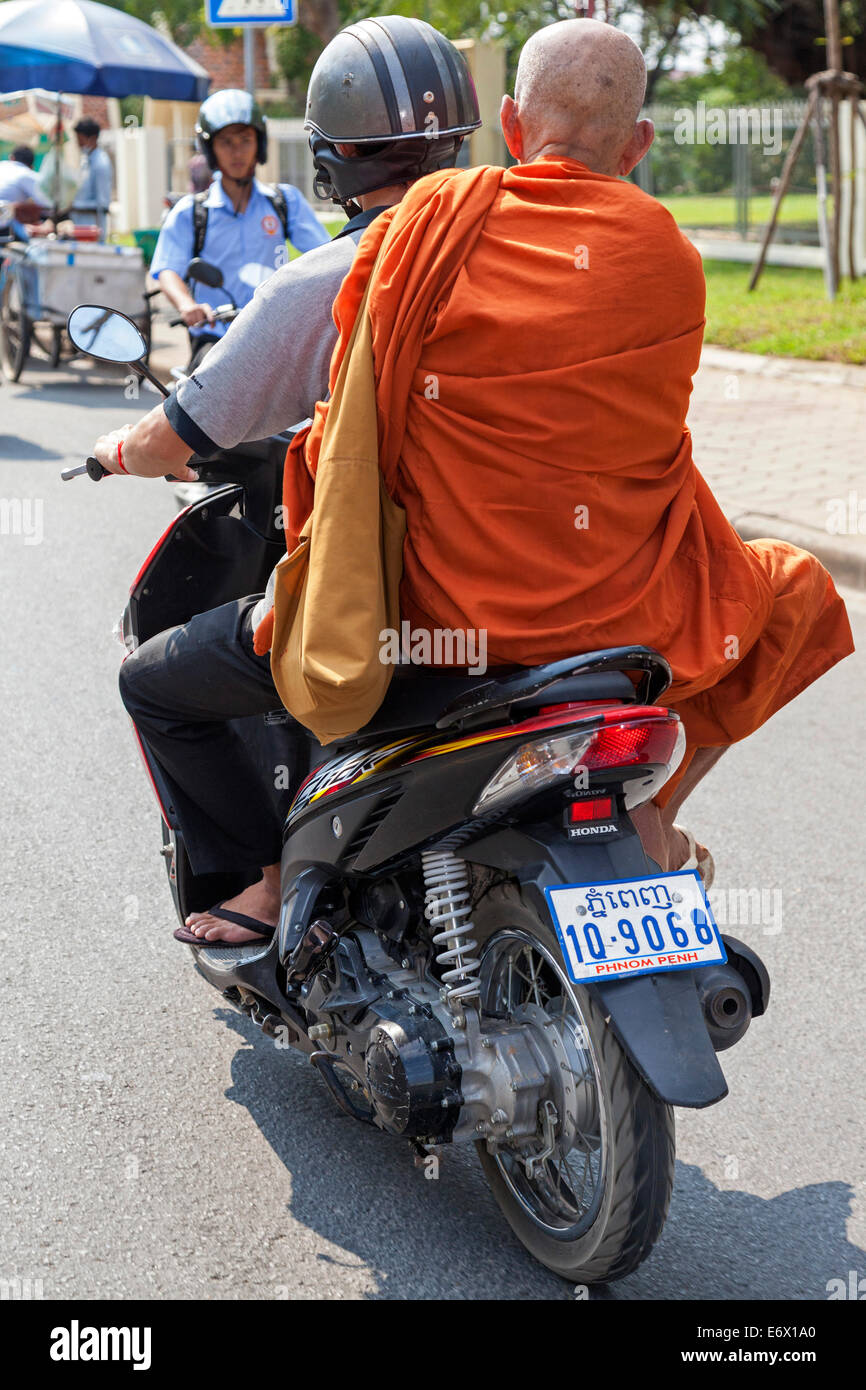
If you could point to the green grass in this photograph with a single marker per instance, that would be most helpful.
(720, 210)
(332, 226)
(788, 315)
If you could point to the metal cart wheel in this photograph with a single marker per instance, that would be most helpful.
(15, 330)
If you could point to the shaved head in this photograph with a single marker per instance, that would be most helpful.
(579, 90)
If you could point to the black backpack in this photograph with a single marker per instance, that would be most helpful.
(274, 195)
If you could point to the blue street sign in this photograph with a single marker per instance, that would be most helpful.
(232, 14)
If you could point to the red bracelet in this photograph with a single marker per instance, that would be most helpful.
(120, 462)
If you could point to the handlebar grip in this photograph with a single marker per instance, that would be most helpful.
(95, 470)
(175, 323)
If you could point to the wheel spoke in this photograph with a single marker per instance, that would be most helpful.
(532, 982)
(519, 973)
(565, 1188)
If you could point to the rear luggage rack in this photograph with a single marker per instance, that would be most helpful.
(656, 676)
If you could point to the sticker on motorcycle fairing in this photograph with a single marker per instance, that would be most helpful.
(346, 771)
(635, 926)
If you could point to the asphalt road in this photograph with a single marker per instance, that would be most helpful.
(156, 1145)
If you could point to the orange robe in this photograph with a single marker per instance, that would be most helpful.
(535, 334)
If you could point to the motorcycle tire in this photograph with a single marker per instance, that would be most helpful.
(638, 1155)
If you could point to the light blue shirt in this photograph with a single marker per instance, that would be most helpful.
(94, 191)
(248, 246)
(19, 184)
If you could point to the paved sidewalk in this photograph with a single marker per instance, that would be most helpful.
(782, 443)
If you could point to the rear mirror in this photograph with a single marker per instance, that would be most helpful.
(205, 273)
(106, 334)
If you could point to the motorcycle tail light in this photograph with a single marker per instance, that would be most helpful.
(531, 768)
(632, 744)
(657, 742)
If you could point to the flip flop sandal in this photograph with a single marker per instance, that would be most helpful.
(240, 919)
(705, 864)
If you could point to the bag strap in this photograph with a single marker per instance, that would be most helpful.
(360, 316)
(199, 223)
(277, 198)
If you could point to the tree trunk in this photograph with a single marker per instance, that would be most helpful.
(654, 73)
(321, 17)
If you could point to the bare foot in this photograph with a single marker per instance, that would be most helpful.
(678, 849)
(261, 900)
(664, 843)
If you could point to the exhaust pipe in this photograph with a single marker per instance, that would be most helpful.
(726, 1002)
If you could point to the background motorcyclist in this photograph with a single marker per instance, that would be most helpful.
(239, 224)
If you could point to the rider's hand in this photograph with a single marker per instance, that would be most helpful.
(138, 461)
(196, 314)
(105, 449)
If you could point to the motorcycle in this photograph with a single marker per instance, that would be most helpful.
(473, 946)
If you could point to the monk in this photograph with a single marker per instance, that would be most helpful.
(535, 334)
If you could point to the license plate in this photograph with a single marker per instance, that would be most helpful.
(635, 926)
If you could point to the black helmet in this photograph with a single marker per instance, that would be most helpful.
(397, 89)
(231, 107)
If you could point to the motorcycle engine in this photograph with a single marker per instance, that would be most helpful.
(413, 1080)
(385, 1033)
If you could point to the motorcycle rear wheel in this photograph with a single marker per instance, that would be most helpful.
(626, 1147)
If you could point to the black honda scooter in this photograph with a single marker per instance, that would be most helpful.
(473, 945)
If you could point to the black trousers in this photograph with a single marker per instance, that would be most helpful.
(181, 689)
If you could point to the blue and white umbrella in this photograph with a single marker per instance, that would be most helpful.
(79, 46)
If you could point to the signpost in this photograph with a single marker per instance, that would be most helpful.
(233, 14)
(249, 15)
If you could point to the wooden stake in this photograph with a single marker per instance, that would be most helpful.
(852, 192)
(834, 63)
(788, 169)
(836, 176)
(830, 277)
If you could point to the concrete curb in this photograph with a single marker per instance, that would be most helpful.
(754, 364)
(846, 560)
(716, 248)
